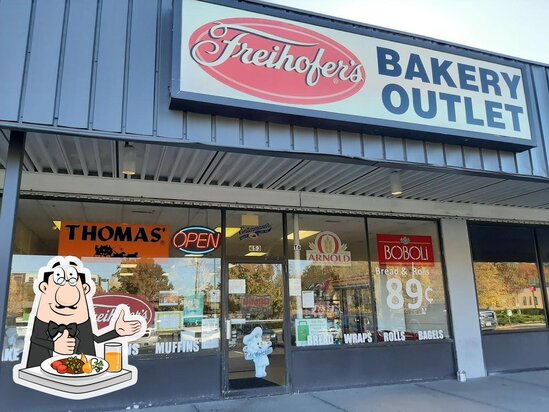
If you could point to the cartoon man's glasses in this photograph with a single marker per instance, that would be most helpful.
(62, 275)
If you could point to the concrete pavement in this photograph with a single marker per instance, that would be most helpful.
(517, 392)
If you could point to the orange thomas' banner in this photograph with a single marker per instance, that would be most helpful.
(87, 239)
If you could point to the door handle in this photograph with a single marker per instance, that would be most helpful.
(228, 329)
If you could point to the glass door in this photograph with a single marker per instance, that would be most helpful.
(255, 355)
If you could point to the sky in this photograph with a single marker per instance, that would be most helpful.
(517, 28)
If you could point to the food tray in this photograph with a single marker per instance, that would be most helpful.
(81, 388)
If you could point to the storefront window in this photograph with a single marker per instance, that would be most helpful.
(329, 281)
(508, 282)
(408, 279)
(252, 234)
(143, 256)
(543, 239)
(165, 263)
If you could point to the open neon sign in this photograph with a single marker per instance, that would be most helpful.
(196, 240)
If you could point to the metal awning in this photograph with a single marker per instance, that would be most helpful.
(69, 155)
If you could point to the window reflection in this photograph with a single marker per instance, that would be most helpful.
(330, 294)
(408, 279)
(509, 291)
(179, 295)
(254, 234)
(509, 295)
(542, 234)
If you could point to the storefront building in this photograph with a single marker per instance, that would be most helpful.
(376, 203)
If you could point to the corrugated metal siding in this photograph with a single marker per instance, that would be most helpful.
(105, 67)
(38, 102)
(14, 30)
(110, 75)
(77, 64)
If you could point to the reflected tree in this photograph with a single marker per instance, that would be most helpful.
(498, 283)
(146, 279)
(260, 281)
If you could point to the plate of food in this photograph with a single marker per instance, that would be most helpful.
(75, 366)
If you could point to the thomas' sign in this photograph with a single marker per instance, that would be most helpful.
(405, 250)
(236, 58)
(85, 239)
(196, 240)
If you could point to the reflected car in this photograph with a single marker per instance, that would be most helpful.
(21, 326)
(149, 339)
(488, 319)
(434, 318)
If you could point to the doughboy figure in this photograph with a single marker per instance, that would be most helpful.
(62, 320)
(257, 350)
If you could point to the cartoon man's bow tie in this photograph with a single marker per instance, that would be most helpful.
(54, 329)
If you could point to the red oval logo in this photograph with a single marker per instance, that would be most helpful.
(328, 242)
(105, 304)
(277, 61)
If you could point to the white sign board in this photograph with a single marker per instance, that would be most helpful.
(237, 286)
(255, 61)
(295, 286)
(308, 299)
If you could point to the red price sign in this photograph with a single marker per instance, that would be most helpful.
(405, 250)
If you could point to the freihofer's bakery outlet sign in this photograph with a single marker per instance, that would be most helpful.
(236, 58)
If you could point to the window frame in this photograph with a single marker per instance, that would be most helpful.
(539, 265)
(376, 342)
(285, 212)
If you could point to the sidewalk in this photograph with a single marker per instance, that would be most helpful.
(525, 391)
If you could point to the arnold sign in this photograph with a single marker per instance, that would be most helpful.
(405, 250)
(238, 62)
(327, 250)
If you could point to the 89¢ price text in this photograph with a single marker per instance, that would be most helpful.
(414, 290)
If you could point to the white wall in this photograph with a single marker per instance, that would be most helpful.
(463, 299)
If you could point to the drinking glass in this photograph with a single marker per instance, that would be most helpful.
(113, 355)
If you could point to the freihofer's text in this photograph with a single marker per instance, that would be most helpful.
(279, 57)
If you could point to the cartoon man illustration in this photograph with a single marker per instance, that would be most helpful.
(63, 322)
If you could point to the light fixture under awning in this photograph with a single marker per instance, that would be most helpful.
(128, 159)
(396, 185)
(229, 231)
(255, 254)
(303, 234)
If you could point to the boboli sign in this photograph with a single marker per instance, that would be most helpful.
(405, 250)
(237, 62)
